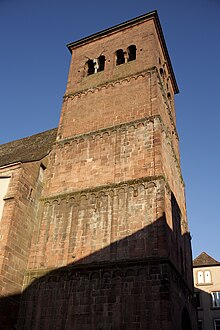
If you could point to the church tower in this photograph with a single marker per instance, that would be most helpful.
(111, 247)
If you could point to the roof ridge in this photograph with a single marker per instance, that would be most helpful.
(204, 259)
(29, 136)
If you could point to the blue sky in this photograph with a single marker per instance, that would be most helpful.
(34, 63)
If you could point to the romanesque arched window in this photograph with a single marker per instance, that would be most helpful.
(207, 276)
(200, 277)
(101, 63)
(131, 53)
(120, 57)
(90, 67)
(95, 65)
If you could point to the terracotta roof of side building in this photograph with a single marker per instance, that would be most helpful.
(205, 260)
(31, 148)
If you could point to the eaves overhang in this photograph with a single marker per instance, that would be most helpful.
(207, 265)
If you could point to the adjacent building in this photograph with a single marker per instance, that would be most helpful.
(22, 168)
(94, 232)
(206, 271)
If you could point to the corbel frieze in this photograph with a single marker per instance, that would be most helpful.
(147, 270)
(108, 131)
(112, 84)
(125, 127)
(110, 190)
(109, 84)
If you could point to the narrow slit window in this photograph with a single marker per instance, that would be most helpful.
(161, 72)
(169, 96)
(101, 63)
(120, 57)
(131, 53)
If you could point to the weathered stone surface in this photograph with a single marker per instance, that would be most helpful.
(97, 230)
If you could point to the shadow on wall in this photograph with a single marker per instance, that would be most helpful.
(130, 284)
(206, 313)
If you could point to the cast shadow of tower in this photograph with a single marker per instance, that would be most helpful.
(133, 293)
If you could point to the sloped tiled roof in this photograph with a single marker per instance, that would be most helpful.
(28, 149)
(205, 260)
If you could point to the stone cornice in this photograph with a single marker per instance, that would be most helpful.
(160, 268)
(147, 182)
(110, 129)
(113, 82)
(94, 266)
(123, 126)
(115, 29)
(110, 83)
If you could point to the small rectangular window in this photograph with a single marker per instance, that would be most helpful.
(215, 299)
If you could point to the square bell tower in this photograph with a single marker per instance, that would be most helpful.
(112, 243)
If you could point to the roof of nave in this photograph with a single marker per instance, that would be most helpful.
(31, 148)
(205, 260)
